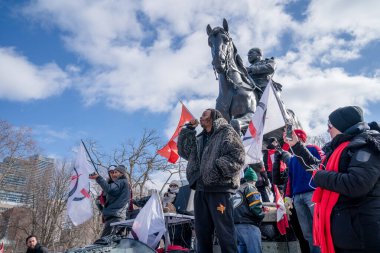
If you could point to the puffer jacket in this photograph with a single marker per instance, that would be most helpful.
(117, 197)
(355, 219)
(221, 160)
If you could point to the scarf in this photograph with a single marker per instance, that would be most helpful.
(325, 201)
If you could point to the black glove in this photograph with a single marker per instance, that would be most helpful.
(278, 155)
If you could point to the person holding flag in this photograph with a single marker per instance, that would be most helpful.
(117, 194)
(215, 158)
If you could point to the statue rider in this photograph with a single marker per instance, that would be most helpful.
(261, 71)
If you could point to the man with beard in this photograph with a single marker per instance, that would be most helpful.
(34, 246)
(215, 158)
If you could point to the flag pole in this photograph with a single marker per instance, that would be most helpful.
(284, 113)
(93, 164)
(185, 107)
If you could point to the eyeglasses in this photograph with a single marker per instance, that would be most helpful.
(173, 185)
(113, 171)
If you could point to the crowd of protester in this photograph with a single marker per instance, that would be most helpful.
(332, 192)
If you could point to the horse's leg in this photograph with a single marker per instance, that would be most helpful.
(243, 107)
(223, 108)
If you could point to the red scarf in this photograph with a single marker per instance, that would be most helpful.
(325, 201)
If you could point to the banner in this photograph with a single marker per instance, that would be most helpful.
(79, 207)
(170, 150)
(149, 225)
(270, 115)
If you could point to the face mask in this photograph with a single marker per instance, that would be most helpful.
(174, 189)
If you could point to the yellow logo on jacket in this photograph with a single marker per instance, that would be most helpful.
(221, 208)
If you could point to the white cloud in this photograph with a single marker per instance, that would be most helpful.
(149, 65)
(127, 75)
(21, 80)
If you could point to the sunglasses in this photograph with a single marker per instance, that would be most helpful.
(113, 171)
(173, 185)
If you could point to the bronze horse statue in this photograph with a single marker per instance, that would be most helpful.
(237, 98)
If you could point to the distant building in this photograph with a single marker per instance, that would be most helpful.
(18, 176)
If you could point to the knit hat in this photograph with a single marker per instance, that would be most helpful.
(176, 182)
(250, 174)
(345, 117)
(301, 134)
(121, 169)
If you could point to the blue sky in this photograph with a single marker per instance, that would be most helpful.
(105, 70)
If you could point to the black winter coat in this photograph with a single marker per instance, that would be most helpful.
(355, 219)
(37, 249)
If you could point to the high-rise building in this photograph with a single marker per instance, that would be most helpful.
(18, 177)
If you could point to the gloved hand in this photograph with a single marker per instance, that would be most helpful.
(278, 155)
(288, 202)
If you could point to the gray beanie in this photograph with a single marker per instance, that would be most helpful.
(120, 168)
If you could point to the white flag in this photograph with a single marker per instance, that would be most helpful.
(79, 206)
(149, 225)
(268, 116)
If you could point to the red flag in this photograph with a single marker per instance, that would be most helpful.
(170, 150)
(2, 248)
(282, 218)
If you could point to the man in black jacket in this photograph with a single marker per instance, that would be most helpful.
(34, 246)
(215, 158)
(348, 184)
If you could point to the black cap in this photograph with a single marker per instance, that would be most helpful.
(345, 117)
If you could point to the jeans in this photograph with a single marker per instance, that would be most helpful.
(248, 238)
(305, 211)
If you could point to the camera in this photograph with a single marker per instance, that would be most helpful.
(289, 132)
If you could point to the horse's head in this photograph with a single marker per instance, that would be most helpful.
(221, 46)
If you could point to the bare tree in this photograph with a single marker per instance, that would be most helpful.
(45, 215)
(15, 143)
(319, 140)
(139, 156)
